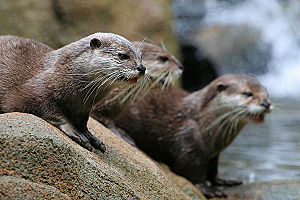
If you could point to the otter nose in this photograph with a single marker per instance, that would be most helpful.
(266, 104)
(141, 69)
(181, 67)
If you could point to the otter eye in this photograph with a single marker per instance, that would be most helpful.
(163, 58)
(123, 56)
(247, 94)
(222, 87)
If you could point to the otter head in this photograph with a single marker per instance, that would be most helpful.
(241, 97)
(108, 59)
(162, 67)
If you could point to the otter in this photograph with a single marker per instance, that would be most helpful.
(188, 131)
(162, 69)
(62, 85)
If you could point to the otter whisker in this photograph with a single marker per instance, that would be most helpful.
(95, 82)
(134, 91)
(110, 76)
(234, 121)
(142, 88)
(130, 92)
(83, 74)
(226, 119)
(98, 78)
(99, 87)
(217, 109)
(163, 45)
(232, 132)
(142, 42)
(225, 125)
(220, 118)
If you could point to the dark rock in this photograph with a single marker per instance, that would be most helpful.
(198, 71)
(235, 48)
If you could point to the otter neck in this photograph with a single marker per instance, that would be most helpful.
(218, 126)
(77, 93)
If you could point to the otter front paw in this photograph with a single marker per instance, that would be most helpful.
(84, 142)
(96, 143)
(221, 182)
(211, 192)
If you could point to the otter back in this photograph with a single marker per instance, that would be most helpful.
(20, 60)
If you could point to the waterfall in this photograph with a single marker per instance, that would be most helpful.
(279, 23)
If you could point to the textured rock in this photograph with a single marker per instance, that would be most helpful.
(271, 190)
(59, 22)
(183, 183)
(19, 188)
(36, 151)
(30, 18)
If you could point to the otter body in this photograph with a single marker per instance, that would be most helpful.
(188, 131)
(61, 85)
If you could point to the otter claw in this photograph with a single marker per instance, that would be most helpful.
(98, 144)
(211, 192)
(229, 183)
(86, 145)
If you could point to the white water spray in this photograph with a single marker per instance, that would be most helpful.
(279, 23)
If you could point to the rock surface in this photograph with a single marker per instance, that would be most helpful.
(19, 188)
(271, 190)
(183, 183)
(37, 154)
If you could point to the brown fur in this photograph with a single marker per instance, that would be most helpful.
(55, 84)
(173, 126)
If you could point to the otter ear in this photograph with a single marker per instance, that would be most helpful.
(222, 87)
(95, 43)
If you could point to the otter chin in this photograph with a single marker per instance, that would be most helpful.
(255, 119)
(188, 131)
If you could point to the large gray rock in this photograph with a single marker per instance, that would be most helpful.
(235, 48)
(19, 188)
(271, 190)
(35, 151)
(59, 22)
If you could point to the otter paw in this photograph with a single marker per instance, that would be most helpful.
(222, 182)
(211, 192)
(84, 142)
(98, 144)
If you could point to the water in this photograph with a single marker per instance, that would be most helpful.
(267, 151)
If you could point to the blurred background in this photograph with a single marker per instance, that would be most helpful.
(210, 37)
